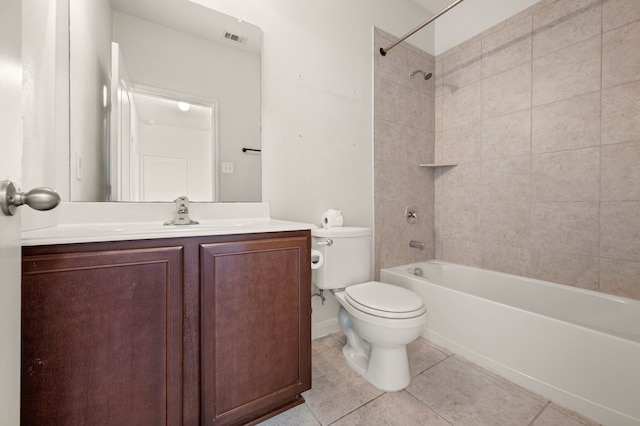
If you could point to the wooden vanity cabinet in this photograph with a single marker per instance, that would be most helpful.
(199, 330)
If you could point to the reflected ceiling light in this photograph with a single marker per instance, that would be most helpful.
(183, 106)
(105, 99)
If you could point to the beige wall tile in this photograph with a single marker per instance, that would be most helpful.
(566, 176)
(390, 141)
(507, 136)
(621, 172)
(390, 102)
(621, 113)
(619, 12)
(567, 124)
(569, 72)
(460, 184)
(437, 125)
(507, 92)
(620, 278)
(464, 252)
(507, 180)
(506, 224)
(464, 66)
(392, 249)
(461, 107)
(420, 146)
(507, 48)
(619, 231)
(461, 144)
(507, 259)
(420, 108)
(460, 221)
(437, 149)
(392, 67)
(566, 227)
(570, 269)
(438, 78)
(621, 55)
(390, 178)
(564, 23)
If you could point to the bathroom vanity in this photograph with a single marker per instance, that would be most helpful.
(186, 329)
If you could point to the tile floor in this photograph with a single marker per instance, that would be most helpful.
(445, 390)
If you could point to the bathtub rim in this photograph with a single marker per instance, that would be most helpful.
(563, 287)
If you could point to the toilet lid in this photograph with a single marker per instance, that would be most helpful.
(384, 300)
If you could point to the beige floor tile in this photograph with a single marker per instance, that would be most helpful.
(465, 395)
(297, 416)
(336, 389)
(450, 391)
(423, 356)
(330, 342)
(554, 415)
(396, 408)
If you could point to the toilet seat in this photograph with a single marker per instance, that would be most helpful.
(384, 300)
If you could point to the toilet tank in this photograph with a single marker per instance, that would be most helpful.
(346, 260)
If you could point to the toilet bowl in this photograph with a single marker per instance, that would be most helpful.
(386, 331)
(378, 319)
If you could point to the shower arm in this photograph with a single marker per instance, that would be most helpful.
(383, 51)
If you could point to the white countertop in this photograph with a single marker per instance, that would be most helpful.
(98, 222)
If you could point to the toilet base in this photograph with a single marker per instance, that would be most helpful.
(386, 368)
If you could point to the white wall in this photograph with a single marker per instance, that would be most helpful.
(90, 53)
(167, 59)
(317, 106)
(470, 18)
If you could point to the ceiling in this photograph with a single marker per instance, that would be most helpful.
(434, 6)
(194, 19)
(152, 109)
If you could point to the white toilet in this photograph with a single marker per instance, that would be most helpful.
(378, 319)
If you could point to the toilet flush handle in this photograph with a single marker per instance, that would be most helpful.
(328, 242)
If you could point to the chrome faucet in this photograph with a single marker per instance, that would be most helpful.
(182, 213)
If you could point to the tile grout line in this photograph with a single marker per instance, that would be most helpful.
(356, 409)
(540, 413)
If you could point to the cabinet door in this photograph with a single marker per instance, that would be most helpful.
(102, 337)
(256, 327)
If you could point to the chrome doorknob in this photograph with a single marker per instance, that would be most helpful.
(38, 198)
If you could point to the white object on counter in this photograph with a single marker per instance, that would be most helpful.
(332, 219)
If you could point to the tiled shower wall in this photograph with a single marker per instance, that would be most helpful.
(542, 115)
(403, 138)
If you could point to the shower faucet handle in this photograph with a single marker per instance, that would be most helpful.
(411, 214)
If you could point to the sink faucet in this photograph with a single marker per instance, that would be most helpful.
(182, 213)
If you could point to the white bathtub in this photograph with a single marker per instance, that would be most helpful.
(577, 347)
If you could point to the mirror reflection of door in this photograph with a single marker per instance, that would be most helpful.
(160, 134)
(164, 177)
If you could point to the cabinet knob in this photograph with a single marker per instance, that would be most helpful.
(38, 198)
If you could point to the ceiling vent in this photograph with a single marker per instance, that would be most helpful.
(235, 37)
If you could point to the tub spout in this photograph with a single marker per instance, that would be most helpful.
(416, 244)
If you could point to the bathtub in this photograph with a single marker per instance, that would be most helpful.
(579, 348)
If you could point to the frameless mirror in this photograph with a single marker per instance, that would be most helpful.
(164, 101)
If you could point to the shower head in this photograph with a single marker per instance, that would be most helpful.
(427, 75)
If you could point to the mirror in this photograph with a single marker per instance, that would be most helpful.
(164, 101)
